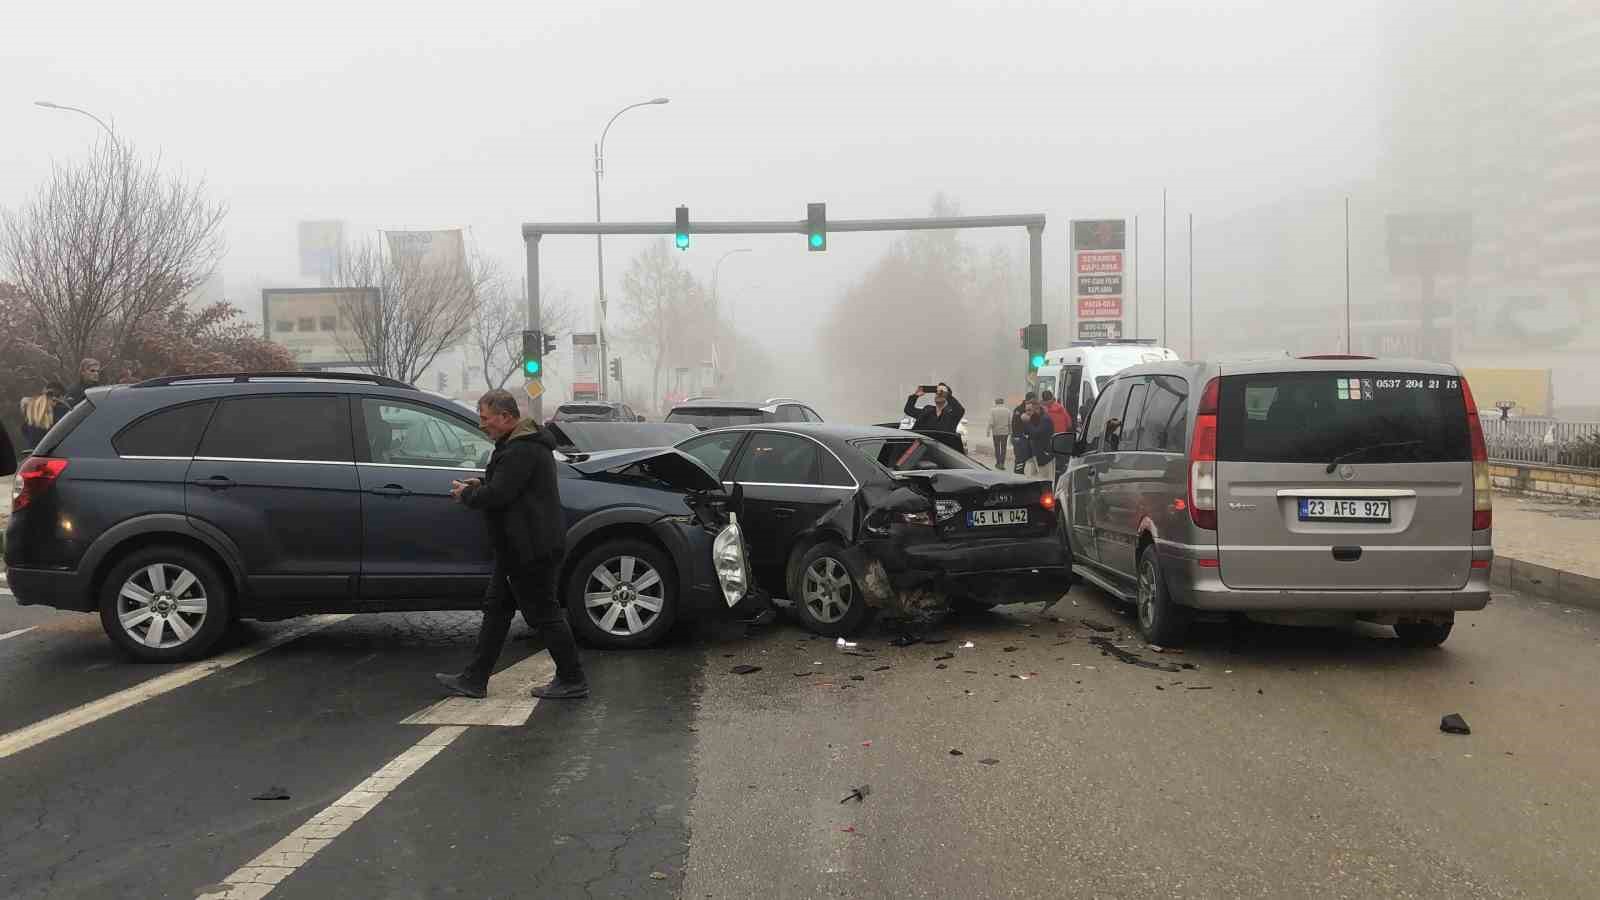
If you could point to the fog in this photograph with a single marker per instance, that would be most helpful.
(1259, 119)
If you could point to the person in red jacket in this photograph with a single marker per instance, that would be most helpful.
(1060, 423)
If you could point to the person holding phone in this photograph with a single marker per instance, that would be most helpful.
(944, 414)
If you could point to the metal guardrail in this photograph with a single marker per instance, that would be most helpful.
(1543, 441)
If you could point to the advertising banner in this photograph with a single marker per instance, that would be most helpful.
(1100, 330)
(1099, 285)
(319, 248)
(1105, 261)
(586, 363)
(441, 249)
(315, 324)
(1100, 307)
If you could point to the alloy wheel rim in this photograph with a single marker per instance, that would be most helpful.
(624, 596)
(162, 606)
(1147, 594)
(827, 590)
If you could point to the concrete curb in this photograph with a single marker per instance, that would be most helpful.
(1535, 580)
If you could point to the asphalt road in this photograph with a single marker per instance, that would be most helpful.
(1284, 763)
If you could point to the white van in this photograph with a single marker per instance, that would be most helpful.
(1076, 374)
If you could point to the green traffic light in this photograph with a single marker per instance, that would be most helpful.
(1038, 361)
(531, 366)
(816, 239)
(682, 241)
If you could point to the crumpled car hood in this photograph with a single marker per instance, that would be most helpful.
(669, 464)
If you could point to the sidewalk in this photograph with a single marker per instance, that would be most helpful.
(1563, 536)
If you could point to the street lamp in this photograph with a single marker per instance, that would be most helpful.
(716, 271)
(599, 249)
(46, 104)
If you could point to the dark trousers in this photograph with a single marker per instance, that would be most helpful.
(532, 590)
(1000, 442)
(1021, 451)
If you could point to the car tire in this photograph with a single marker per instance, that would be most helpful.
(1422, 634)
(827, 593)
(1161, 621)
(165, 604)
(610, 592)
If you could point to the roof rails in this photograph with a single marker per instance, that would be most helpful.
(772, 400)
(1112, 342)
(1337, 356)
(245, 377)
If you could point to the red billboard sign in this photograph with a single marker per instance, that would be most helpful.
(1094, 263)
(1099, 307)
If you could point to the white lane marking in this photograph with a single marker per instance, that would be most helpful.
(508, 705)
(89, 713)
(257, 878)
(18, 632)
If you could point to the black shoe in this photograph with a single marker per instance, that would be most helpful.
(562, 690)
(464, 685)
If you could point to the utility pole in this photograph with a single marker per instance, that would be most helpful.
(1349, 348)
(1163, 267)
(1191, 287)
(1136, 274)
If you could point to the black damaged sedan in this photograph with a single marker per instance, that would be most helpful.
(843, 520)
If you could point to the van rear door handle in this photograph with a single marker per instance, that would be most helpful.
(1347, 554)
(215, 482)
(782, 512)
(391, 490)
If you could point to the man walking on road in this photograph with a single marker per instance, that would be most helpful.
(1000, 431)
(519, 496)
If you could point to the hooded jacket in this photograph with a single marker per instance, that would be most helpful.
(521, 498)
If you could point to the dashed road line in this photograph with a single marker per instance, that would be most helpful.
(18, 633)
(508, 704)
(89, 713)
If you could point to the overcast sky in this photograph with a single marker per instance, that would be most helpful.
(483, 115)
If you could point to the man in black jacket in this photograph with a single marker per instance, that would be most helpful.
(520, 497)
(945, 414)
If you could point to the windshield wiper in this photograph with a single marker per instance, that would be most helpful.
(1360, 450)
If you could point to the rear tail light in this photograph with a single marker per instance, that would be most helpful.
(1482, 487)
(37, 475)
(1047, 500)
(1203, 460)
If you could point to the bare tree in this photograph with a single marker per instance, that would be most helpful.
(662, 302)
(421, 309)
(498, 323)
(105, 243)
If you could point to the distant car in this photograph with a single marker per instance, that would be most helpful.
(175, 506)
(708, 414)
(595, 411)
(593, 437)
(1345, 486)
(839, 517)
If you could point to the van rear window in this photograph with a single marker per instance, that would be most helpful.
(1356, 417)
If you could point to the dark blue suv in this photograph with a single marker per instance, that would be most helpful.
(174, 506)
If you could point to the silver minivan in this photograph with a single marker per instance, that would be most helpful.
(1346, 487)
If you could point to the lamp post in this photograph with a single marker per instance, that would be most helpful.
(716, 306)
(46, 104)
(599, 249)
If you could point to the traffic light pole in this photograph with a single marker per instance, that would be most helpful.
(531, 245)
(532, 232)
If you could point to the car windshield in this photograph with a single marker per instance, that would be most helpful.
(1362, 417)
(909, 454)
(716, 418)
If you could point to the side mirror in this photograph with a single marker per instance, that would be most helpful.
(1064, 444)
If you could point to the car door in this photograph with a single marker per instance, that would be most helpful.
(715, 452)
(1087, 471)
(418, 544)
(780, 476)
(1121, 483)
(1163, 475)
(277, 475)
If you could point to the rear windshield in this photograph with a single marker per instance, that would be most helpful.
(912, 455)
(1356, 417)
(585, 410)
(716, 418)
(64, 427)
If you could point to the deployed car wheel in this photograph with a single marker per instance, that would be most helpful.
(165, 604)
(1422, 634)
(827, 593)
(622, 595)
(1160, 620)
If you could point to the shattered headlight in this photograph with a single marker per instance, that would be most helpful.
(728, 557)
(947, 509)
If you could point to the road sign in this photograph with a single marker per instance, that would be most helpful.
(1100, 330)
(1099, 307)
(535, 389)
